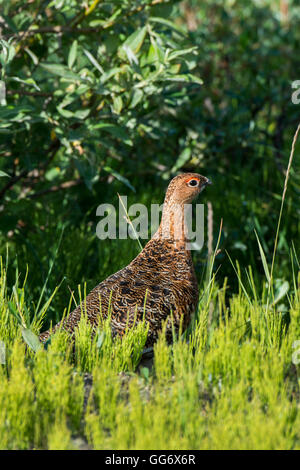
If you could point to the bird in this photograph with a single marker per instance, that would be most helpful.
(159, 286)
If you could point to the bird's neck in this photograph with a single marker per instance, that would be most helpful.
(173, 226)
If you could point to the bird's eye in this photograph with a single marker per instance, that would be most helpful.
(193, 183)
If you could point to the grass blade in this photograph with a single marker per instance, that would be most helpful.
(263, 258)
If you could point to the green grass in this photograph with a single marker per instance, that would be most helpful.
(230, 384)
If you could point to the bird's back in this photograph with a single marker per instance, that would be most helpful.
(159, 282)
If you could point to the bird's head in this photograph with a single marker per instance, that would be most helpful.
(184, 188)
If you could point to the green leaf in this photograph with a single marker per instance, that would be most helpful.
(51, 174)
(100, 339)
(189, 78)
(137, 96)
(34, 58)
(31, 339)
(2, 173)
(14, 311)
(155, 53)
(114, 130)
(11, 53)
(8, 52)
(93, 61)
(28, 81)
(119, 177)
(61, 71)
(133, 43)
(175, 54)
(72, 54)
(135, 40)
(15, 114)
(117, 104)
(65, 112)
(281, 291)
(182, 159)
(82, 113)
(169, 24)
(87, 172)
(111, 73)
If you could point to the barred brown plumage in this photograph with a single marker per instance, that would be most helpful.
(159, 282)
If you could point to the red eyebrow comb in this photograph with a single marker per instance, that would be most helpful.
(193, 178)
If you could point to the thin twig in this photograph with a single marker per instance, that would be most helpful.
(28, 93)
(53, 189)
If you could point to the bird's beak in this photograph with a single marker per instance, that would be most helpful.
(207, 182)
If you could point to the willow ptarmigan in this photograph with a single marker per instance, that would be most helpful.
(159, 283)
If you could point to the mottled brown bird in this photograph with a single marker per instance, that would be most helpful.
(159, 283)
